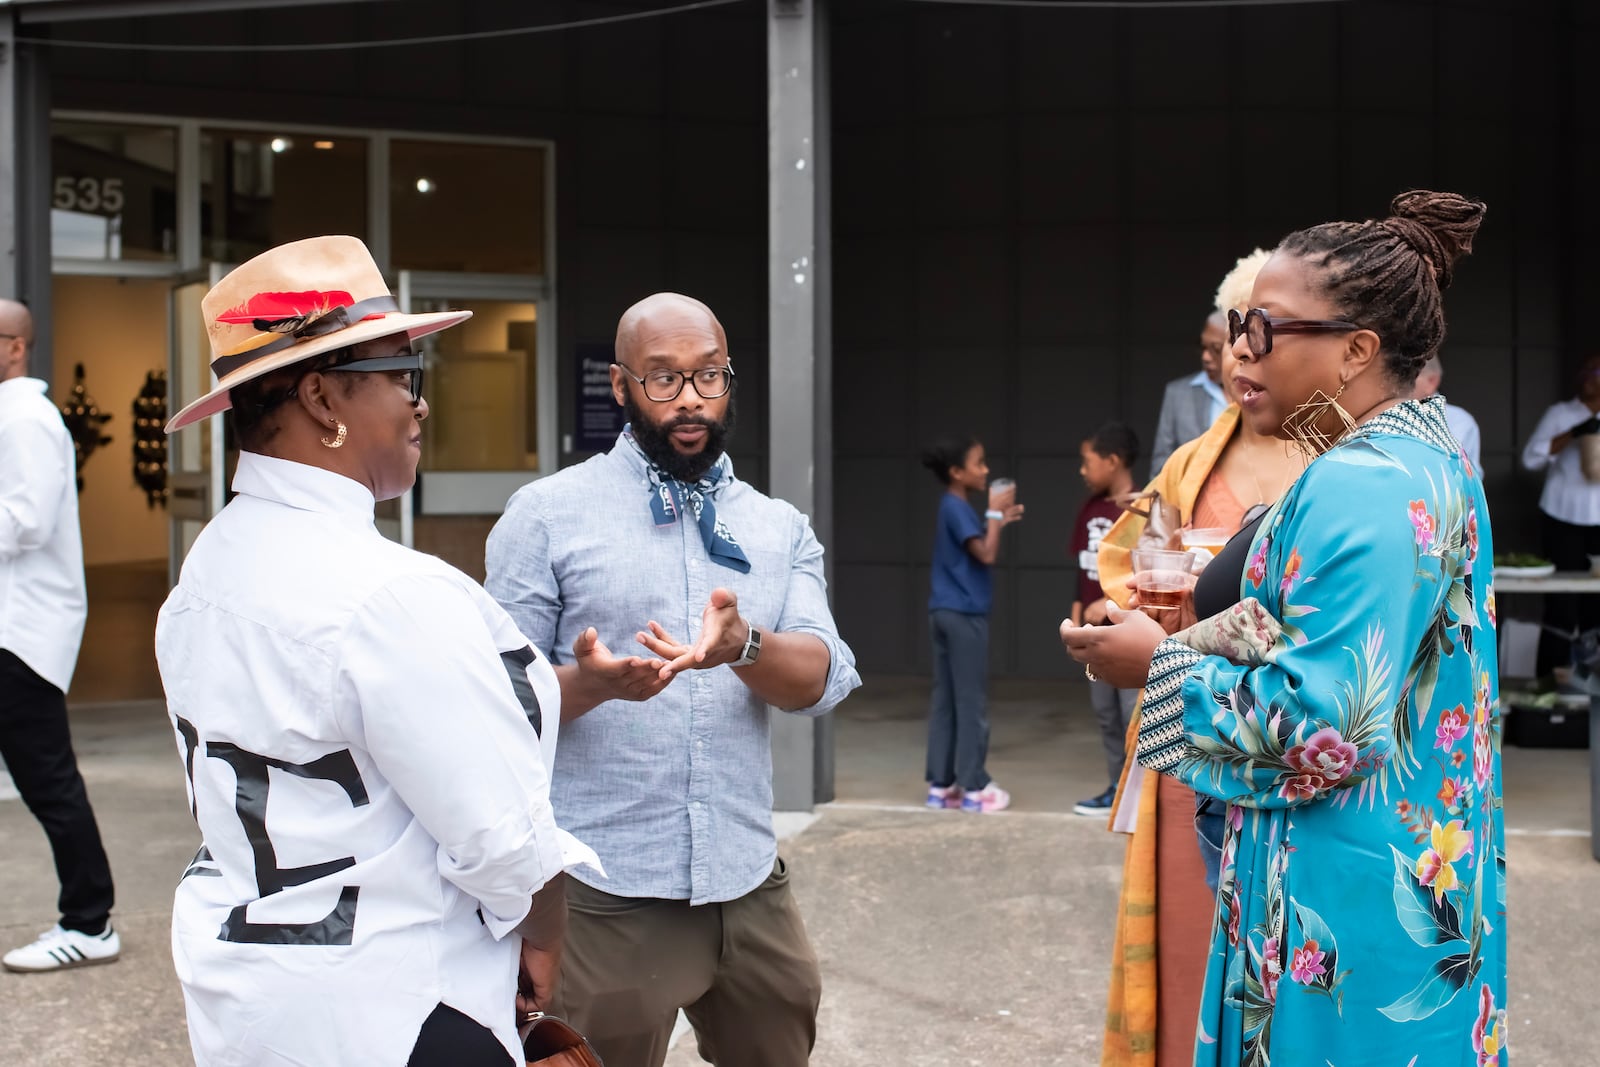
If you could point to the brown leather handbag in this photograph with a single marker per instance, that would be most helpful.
(548, 1041)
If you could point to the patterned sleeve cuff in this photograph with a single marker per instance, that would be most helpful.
(1161, 738)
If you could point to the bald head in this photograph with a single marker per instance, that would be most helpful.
(654, 323)
(16, 326)
(1213, 338)
(1429, 379)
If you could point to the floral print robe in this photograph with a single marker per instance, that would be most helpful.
(1361, 916)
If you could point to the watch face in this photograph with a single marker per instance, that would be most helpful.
(752, 649)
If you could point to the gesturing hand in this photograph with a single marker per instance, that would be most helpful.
(722, 637)
(621, 678)
(1119, 654)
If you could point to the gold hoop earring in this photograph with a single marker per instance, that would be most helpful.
(338, 439)
(1302, 423)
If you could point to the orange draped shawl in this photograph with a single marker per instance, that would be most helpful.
(1131, 1005)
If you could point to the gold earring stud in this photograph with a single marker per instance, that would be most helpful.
(338, 439)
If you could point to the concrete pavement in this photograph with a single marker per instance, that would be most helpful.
(945, 939)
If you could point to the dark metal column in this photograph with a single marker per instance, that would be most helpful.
(822, 299)
(9, 156)
(800, 422)
(25, 186)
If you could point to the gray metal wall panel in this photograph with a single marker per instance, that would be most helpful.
(1119, 162)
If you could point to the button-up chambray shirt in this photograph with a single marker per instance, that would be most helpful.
(674, 793)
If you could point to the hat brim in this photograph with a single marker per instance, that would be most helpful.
(220, 399)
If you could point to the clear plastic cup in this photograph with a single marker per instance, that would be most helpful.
(1162, 578)
(1206, 542)
(997, 490)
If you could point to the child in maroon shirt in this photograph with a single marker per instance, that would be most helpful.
(1108, 458)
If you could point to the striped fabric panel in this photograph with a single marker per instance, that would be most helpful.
(1161, 738)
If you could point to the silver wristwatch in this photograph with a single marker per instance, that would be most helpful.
(752, 649)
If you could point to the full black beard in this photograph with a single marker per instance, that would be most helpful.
(655, 439)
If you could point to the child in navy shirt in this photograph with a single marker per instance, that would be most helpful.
(964, 549)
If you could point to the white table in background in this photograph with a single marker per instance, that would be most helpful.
(1579, 582)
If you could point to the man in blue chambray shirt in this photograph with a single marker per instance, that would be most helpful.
(664, 764)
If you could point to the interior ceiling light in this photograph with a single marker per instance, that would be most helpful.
(424, 185)
(324, 145)
(281, 144)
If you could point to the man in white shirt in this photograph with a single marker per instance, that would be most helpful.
(1463, 427)
(42, 610)
(1570, 505)
(1192, 403)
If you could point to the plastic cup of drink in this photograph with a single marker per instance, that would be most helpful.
(1001, 486)
(1162, 578)
(1206, 542)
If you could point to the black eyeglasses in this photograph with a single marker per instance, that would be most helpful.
(410, 362)
(1258, 327)
(664, 385)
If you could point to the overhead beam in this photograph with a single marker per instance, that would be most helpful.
(36, 12)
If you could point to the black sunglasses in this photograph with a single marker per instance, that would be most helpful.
(411, 361)
(1257, 327)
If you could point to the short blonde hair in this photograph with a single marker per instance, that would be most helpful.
(1234, 292)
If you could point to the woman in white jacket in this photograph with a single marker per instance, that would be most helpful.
(366, 735)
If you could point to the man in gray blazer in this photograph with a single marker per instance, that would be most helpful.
(1192, 403)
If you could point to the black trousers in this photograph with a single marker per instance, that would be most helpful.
(450, 1038)
(37, 747)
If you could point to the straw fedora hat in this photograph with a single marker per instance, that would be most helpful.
(294, 302)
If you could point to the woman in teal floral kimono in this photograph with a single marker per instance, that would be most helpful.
(1342, 696)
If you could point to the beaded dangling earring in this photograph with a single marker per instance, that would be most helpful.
(1301, 424)
(338, 439)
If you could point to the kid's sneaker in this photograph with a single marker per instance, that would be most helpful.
(57, 949)
(941, 797)
(1100, 805)
(990, 798)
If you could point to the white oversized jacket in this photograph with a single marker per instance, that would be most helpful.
(354, 721)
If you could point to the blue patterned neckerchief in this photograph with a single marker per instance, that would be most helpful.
(670, 497)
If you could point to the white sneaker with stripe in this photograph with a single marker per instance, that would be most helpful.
(57, 949)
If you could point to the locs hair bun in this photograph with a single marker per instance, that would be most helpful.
(1440, 226)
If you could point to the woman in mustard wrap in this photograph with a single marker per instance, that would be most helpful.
(1165, 907)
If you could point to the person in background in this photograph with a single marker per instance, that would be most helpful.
(1569, 509)
(43, 606)
(1191, 404)
(1107, 470)
(665, 763)
(1462, 425)
(965, 548)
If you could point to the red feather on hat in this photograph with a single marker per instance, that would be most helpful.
(284, 306)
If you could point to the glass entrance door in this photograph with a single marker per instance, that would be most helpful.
(491, 389)
(196, 457)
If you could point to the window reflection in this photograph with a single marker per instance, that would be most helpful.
(113, 191)
(467, 207)
(261, 189)
(482, 389)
